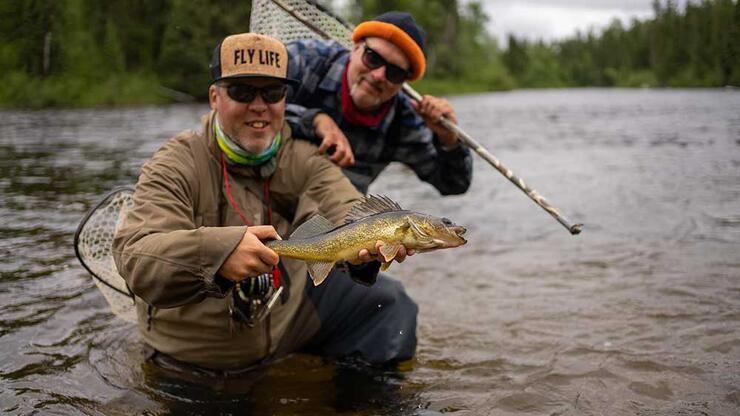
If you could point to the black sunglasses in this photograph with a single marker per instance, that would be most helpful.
(393, 73)
(245, 93)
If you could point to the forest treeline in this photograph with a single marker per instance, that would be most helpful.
(698, 46)
(124, 52)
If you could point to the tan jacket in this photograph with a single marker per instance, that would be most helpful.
(182, 228)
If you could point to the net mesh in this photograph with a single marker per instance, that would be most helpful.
(93, 243)
(268, 18)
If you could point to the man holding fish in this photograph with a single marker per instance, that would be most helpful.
(200, 246)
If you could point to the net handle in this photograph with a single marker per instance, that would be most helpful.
(81, 226)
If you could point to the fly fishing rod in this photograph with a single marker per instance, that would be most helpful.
(464, 137)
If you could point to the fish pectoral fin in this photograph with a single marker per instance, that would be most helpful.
(384, 266)
(318, 271)
(389, 251)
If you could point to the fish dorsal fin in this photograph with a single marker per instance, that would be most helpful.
(371, 205)
(318, 271)
(313, 227)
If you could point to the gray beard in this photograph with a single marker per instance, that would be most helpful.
(376, 100)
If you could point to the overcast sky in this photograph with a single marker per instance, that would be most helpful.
(556, 19)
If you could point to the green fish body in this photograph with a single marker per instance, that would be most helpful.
(321, 244)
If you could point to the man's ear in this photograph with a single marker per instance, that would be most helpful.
(212, 96)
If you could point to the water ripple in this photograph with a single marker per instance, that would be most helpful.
(637, 315)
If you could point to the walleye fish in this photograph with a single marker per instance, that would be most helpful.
(321, 244)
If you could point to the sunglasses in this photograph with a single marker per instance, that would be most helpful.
(245, 93)
(393, 73)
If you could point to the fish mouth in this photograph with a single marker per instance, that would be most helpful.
(452, 239)
(459, 232)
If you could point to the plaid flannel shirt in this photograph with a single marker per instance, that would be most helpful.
(402, 136)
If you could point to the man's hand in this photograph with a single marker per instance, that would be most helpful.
(431, 109)
(366, 256)
(332, 137)
(251, 258)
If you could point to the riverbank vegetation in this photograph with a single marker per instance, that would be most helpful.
(695, 47)
(128, 52)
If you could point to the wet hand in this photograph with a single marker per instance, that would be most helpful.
(333, 141)
(251, 257)
(432, 109)
(366, 256)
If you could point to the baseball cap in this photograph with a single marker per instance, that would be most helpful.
(250, 55)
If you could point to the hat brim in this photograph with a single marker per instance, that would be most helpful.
(398, 37)
(289, 81)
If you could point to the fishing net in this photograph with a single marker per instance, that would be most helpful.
(289, 20)
(93, 241)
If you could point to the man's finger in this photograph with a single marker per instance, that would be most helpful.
(415, 105)
(345, 156)
(363, 256)
(337, 155)
(400, 255)
(256, 269)
(324, 145)
(349, 157)
(269, 258)
(347, 160)
(264, 232)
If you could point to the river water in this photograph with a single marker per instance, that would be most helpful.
(638, 315)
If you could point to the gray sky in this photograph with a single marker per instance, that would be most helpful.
(556, 19)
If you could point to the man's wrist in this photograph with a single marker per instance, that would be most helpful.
(317, 120)
(307, 124)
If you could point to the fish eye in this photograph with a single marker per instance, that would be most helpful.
(446, 221)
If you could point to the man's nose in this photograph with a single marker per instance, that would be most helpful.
(378, 73)
(258, 104)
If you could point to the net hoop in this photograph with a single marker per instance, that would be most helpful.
(93, 242)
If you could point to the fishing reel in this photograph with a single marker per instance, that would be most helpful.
(252, 298)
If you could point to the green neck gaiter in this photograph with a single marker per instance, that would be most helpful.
(237, 155)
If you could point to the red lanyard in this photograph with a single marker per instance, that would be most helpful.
(266, 195)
